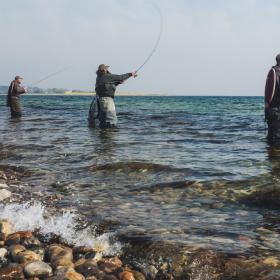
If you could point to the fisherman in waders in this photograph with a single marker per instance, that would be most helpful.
(13, 97)
(103, 106)
(272, 103)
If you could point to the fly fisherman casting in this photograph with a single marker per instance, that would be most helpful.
(102, 109)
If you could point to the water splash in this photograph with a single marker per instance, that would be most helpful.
(34, 216)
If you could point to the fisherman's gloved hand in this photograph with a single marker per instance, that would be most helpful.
(134, 74)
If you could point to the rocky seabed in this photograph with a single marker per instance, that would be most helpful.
(52, 250)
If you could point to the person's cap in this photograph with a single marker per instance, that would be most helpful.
(18, 77)
(103, 67)
(278, 57)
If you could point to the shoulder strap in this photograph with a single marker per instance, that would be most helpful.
(274, 83)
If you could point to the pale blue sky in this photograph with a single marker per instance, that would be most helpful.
(214, 47)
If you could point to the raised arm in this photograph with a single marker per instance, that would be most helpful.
(19, 89)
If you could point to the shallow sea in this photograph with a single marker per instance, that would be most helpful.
(169, 172)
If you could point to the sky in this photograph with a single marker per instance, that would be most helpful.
(217, 47)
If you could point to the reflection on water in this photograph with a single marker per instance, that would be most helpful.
(170, 172)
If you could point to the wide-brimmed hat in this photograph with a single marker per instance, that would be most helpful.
(103, 67)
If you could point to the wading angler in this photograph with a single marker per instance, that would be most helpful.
(13, 97)
(102, 108)
(272, 103)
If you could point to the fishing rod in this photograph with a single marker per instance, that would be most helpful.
(157, 41)
(50, 75)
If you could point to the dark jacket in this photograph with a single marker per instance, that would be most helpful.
(15, 90)
(106, 83)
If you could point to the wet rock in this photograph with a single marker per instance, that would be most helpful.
(18, 237)
(82, 250)
(110, 277)
(272, 261)
(6, 228)
(97, 256)
(164, 275)
(27, 256)
(151, 272)
(92, 278)
(241, 268)
(12, 273)
(67, 274)
(60, 256)
(265, 198)
(126, 275)
(3, 253)
(14, 250)
(109, 265)
(207, 263)
(275, 275)
(30, 242)
(4, 194)
(3, 186)
(88, 268)
(138, 275)
(37, 269)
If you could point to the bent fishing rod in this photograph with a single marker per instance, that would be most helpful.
(156, 43)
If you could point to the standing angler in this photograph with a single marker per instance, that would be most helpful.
(105, 88)
(13, 97)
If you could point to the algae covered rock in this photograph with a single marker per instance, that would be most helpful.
(266, 198)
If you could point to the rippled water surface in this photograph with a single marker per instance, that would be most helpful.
(160, 175)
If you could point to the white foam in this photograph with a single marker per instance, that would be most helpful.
(33, 216)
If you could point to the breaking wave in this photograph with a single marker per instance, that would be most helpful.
(34, 216)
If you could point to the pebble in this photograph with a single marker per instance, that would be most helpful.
(151, 272)
(272, 261)
(15, 249)
(126, 275)
(3, 186)
(67, 274)
(4, 194)
(110, 277)
(38, 269)
(88, 268)
(27, 256)
(109, 265)
(18, 237)
(138, 275)
(60, 256)
(3, 253)
(6, 228)
(12, 273)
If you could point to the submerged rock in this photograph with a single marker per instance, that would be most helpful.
(4, 194)
(265, 198)
(37, 269)
(205, 263)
